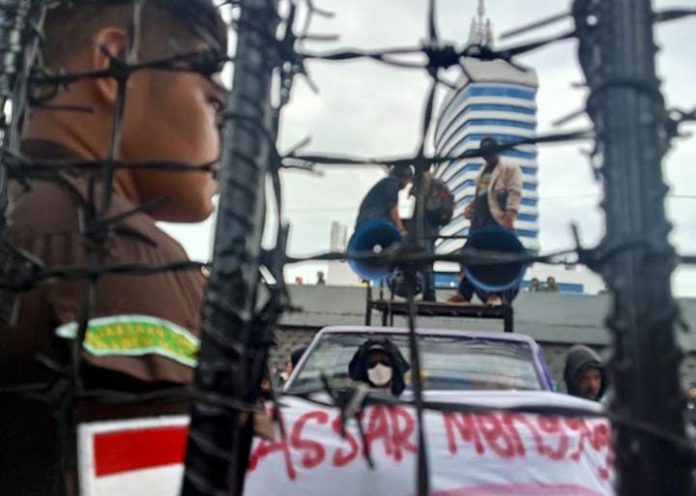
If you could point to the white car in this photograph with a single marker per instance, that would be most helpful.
(480, 437)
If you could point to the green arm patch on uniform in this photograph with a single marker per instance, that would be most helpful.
(136, 335)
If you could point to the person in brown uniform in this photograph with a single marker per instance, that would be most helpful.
(143, 335)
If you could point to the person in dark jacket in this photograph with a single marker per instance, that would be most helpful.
(584, 373)
(382, 201)
(496, 202)
(379, 363)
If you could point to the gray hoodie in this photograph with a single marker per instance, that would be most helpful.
(579, 357)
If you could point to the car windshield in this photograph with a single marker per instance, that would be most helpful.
(448, 362)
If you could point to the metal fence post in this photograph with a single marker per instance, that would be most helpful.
(617, 52)
(227, 374)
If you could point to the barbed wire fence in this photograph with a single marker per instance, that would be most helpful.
(632, 131)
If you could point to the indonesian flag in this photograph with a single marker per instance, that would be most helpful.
(140, 456)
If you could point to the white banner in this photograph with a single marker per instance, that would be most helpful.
(496, 454)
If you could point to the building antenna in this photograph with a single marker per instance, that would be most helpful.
(481, 30)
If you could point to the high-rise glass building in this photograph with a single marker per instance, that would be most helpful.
(498, 99)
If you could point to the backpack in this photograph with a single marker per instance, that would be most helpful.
(439, 207)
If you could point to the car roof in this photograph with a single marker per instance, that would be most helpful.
(492, 335)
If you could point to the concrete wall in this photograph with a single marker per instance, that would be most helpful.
(554, 320)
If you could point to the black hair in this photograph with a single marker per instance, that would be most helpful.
(488, 142)
(296, 355)
(401, 170)
(71, 25)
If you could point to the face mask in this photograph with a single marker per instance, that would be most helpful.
(379, 375)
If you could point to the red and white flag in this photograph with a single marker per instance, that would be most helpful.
(141, 456)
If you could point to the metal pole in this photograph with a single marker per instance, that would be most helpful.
(220, 436)
(13, 55)
(617, 52)
(13, 18)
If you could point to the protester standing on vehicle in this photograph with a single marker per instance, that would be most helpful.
(382, 201)
(169, 116)
(584, 373)
(496, 203)
(498, 191)
(379, 363)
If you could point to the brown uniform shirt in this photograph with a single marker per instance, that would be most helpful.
(146, 337)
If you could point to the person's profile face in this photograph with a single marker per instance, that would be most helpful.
(692, 393)
(174, 116)
(404, 181)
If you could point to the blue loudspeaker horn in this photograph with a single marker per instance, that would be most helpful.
(372, 236)
(497, 277)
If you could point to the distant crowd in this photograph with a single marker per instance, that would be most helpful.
(551, 286)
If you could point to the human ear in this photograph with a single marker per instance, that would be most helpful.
(108, 51)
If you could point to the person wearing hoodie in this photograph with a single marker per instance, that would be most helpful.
(584, 373)
(379, 363)
(293, 360)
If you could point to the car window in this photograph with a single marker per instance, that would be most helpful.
(449, 362)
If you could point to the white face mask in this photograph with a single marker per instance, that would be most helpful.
(380, 375)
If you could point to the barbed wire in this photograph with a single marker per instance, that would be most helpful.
(26, 83)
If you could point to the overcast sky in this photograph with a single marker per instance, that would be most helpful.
(368, 109)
